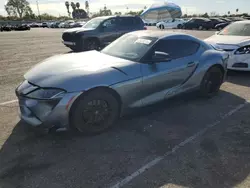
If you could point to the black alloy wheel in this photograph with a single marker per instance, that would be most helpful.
(95, 112)
(211, 82)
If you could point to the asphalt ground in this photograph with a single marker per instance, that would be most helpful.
(183, 142)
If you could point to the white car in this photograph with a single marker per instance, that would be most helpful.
(170, 24)
(235, 39)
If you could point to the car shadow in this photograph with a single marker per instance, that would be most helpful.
(67, 159)
(239, 78)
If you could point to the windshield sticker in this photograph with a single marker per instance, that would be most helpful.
(143, 41)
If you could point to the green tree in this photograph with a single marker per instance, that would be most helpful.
(205, 15)
(17, 7)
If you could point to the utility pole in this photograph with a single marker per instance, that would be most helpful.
(38, 9)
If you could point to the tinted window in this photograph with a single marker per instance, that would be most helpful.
(177, 48)
(129, 22)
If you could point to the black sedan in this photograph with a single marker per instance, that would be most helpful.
(23, 27)
(221, 25)
(5, 28)
(198, 23)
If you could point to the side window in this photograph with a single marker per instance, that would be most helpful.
(128, 22)
(177, 48)
(110, 23)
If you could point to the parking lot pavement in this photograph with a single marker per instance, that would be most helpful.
(220, 158)
(67, 160)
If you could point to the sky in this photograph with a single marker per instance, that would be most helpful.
(57, 7)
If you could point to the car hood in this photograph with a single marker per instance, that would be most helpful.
(68, 71)
(229, 40)
(81, 29)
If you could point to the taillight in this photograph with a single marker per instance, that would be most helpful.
(145, 28)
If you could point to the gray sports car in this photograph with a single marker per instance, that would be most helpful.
(88, 91)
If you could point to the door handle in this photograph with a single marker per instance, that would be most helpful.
(190, 64)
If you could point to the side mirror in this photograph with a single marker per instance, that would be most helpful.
(160, 56)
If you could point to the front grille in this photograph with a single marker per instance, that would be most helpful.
(68, 37)
(240, 65)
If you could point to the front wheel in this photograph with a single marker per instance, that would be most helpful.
(95, 112)
(211, 82)
(179, 26)
(91, 44)
(161, 26)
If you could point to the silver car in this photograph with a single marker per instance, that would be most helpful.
(88, 91)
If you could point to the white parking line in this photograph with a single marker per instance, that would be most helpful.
(8, 102)
(174, 149)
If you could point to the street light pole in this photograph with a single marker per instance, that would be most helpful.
(38, 9)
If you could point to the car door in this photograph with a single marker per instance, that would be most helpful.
(159, 78)
(108, 32)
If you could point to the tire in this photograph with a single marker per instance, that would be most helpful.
(161, 26)
(211, 82)
(91, 44)
(98, 104)
(219, 28)
(200, 28)
(179, 26)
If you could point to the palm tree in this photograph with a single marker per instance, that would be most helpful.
(228, 12)
(237, 10)
(87, 7)
(73, 6)
(77, 5)
(67, 7)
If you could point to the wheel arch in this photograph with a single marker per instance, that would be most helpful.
(103, 88)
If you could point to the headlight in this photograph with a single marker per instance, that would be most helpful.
(243, 50)
(42, 93)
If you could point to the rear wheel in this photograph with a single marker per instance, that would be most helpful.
(161, 26)
(179, 26)
(200, 27)
(95, 112)
(211, 82)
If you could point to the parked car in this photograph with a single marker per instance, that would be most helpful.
(221, 25)
(76, 24)
(198, 23)
(235, 39)
(100, 31)
(61, 25)
(235, 19)
(226, 19)
(34, 24)
(44, 24)
(55, 24)
(170, 24)
(89, 91)
(22, 27)
(6, 28)
(67, 23)
(216, 21)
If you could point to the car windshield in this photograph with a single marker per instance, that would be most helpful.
(93, 23)
(130, 47)
(237, 29)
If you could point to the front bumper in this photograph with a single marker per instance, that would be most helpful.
(239, 62)
(46, 114)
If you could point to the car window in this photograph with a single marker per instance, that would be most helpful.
(128, 22)
(177, 48)
(110, 23)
